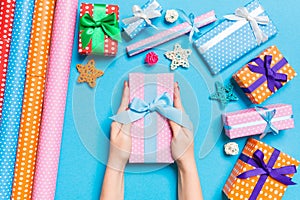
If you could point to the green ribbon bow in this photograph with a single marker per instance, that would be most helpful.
(95, 28)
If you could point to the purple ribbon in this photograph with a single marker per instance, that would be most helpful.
(270, 75)
(265, 170)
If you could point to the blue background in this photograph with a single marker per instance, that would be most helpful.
(80, 170)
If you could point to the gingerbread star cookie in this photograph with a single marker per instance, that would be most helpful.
(88, 73)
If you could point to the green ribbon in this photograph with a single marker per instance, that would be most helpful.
(95, 28)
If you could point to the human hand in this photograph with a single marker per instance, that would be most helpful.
(182, 146)
(120, 138)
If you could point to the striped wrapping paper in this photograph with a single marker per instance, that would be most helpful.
(13, 95)
(33, 98)
(55, 99)
(7, 10)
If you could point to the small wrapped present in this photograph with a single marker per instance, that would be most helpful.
(264, 75)
(99, 29)
(150, 108)
(172, 33)
(234, 37)
(258, 120)
(142, 17)
(261, 172)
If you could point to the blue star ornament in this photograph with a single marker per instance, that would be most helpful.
(224, 94)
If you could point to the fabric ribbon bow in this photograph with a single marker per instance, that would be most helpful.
(138, 109)
(95, 29)
(268, 115)
(146, 14)
(243, 14)
(261, 168)
(191, 20)
(274, 79)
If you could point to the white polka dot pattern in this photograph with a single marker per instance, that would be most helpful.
(55, 99)
(251, 115)
(13, 94)
(242, 189)
(134, 28)
(7, 9)
(33, 98)
(165, 83)
(234, 46)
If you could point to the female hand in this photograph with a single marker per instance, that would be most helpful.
(182, 142)
(120, 138)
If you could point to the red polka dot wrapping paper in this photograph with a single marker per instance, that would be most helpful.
(110, 45)
(249, 122)
(151, 136)
(7, 9)
(242, 189)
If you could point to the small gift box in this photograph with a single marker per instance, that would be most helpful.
(264, 75)
(142, 17)
(261, 172)
(150, 108)
(235, 36)
(258, 120)
(99, 29)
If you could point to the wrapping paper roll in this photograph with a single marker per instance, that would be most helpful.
(13, 95)
(55, 99)
(33, 98)
(7, 10)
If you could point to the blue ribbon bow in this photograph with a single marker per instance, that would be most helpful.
(268, 115)
(195, 32)
(138, 109)
(274, 78)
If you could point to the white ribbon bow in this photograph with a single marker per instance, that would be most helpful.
(243, 14)
(146, 14)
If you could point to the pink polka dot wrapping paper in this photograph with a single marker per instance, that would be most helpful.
(151, 135)
(108, 45)
(170, 34)
(62, 40)
(7, 9)
(249, 122)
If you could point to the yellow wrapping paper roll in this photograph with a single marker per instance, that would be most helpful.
(33, 98)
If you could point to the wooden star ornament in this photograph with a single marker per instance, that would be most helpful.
(88, 73)
(224, 94)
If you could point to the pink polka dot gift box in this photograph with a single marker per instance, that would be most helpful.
(99, 29)
(258, 120)
(261, 172)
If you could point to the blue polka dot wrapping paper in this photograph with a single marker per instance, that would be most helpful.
(13, 96)
(136, 27)
(237, 44)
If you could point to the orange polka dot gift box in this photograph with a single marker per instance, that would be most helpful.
(99, 29)
(264, 75)
(261, 172)
(258, 120)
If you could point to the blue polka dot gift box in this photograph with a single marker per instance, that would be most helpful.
(99, 31)
(235, 36)
(142, 18)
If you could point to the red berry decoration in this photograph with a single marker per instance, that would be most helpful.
(151, 58)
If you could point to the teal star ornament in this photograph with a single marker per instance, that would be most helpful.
(224, 94)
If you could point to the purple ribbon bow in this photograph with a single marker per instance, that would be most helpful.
(270, 75)
(265, 170)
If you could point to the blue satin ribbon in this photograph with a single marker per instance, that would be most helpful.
(268, 115)
(191, 20)
(163, 105)
(264, 170)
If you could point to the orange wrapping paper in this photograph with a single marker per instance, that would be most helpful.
(236, 188)
(245, 77)
(33, 98)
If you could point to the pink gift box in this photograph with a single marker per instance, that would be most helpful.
(151, 135)
(249, 122)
